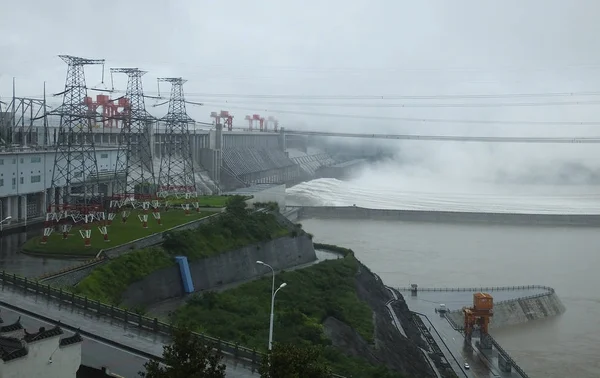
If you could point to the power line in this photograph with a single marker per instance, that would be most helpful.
(420, 120)
(452, 138)
(414, 105)
(395, 96)
(368, 97)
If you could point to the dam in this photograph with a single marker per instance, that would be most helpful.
(355, 212)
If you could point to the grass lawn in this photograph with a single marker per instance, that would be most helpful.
(118, 233)
(203, 201)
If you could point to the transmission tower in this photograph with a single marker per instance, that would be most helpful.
(134, 169)
(176, 174)
(75, 176)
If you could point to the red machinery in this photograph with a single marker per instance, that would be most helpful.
(260, 120)
(478, 316)
(228, 118)
(216, 116)
(110, 109)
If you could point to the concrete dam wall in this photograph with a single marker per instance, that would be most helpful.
(233, 266)
(519, 310)
(354, 212)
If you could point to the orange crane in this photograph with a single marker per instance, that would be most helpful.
(479, 316)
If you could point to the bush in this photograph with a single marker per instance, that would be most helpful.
(108, 282)
(234, 229)
(311, 295)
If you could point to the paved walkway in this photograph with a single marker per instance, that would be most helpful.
(95, 353)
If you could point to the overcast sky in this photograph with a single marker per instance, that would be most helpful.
(332, 47)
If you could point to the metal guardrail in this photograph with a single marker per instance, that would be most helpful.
(129, 318)
(71, 268)
(507, 357)
(477, 289)
(142, 322)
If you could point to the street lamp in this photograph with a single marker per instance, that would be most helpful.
(272, 310)
(4, 220)
(273, 292)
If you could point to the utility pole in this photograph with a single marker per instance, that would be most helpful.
(75, 176)
(134, 168)
(176, 174)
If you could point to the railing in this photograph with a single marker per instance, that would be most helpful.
(71, 268)
(479, 289)
(129, 318)
(142, 322)
(507, 357)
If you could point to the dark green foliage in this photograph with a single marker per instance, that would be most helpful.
(107, 283)
(311, 295)
(292, 361)
(186, 357)
(235, 228)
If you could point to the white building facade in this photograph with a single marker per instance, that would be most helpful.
(26, 179)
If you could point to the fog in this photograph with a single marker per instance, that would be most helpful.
(292, 51)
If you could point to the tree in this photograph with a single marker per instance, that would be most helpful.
(291, 361)
(186, 357)
(236, 205)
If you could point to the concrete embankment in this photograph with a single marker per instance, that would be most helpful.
(354, 212)
(520, 310)
(222, 269)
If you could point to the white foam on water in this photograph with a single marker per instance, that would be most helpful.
(427, 193)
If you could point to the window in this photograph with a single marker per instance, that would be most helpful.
(22, 160)
(21, 180)
(103, 156)
(14, 161)
(35, 179)
(14, 181)
(1, 182)
(1, 161)
(36, 159)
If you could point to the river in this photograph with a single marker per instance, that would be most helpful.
(451, 255)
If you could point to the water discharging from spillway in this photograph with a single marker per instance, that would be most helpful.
(427, 194)
(459, 255)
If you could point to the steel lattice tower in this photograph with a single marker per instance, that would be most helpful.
(176, 173)
(134, 169)
(75, 176)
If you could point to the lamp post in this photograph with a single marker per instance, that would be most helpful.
(272, 311)
(273, 293)
(4, 220)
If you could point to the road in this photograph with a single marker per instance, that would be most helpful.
(482, 365)
(94, 352)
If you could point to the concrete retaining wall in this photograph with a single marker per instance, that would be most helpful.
(520, 310)
(354, 212)
(232, 266)
(73, 277)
